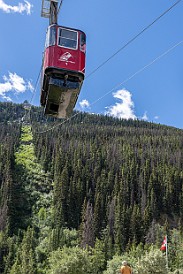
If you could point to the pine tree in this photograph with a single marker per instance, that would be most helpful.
(25, 259)
(87, 237)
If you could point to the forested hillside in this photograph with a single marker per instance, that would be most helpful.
(80, 196)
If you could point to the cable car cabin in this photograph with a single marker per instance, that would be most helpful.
(63, 70)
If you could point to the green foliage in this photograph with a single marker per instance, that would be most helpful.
(26, 134)
(132, 257)
(175, 249)
(69, 237)
(75, 260)
(97, 181)
(97, 258)
(113, 266)
(69, 261)
(25, 258)
(177, 271)
(25, 156)
(63, 237)
(153, 262)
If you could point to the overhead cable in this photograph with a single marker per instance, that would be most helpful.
(123, 47)
(134, 38)
(117, 86)
(61, 2)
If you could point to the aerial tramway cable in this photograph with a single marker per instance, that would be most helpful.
(124, 46)
(117, 86)
(61, 2)
(134, 38)
(28, 111)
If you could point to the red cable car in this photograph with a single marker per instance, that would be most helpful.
(63, 70)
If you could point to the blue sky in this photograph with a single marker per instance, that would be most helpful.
(144, 81)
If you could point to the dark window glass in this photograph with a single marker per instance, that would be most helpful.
(67, 38)
(50, 36)
(83, 42)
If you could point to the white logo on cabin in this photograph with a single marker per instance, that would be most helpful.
(65, 57)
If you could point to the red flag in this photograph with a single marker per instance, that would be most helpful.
(163, 246)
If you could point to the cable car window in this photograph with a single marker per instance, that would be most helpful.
(50, 37)
(67, 38)
(83, 42)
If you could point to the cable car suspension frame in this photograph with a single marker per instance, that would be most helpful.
(63, 64)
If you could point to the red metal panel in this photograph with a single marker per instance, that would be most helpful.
(65, 58)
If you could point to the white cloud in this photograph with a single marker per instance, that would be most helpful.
(7, 98)
(125, 108)
(14, 83)
(19, 8)
(84, 104)
(145, 117)
(156, 117)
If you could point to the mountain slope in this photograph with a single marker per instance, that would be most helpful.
(103, 177)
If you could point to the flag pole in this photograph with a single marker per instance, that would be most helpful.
(166, 252)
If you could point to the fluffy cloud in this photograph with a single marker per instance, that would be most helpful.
(145, 117)
(84, 104)
(125, 108)
(20, 8)
(14, 83)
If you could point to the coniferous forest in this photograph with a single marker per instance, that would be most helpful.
(82, 195)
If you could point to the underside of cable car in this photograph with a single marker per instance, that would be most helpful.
(63, 70)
